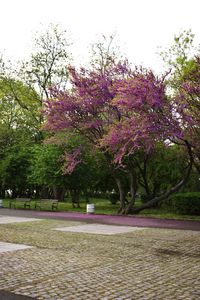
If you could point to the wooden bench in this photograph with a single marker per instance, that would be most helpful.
(53, 203)
(25, 201)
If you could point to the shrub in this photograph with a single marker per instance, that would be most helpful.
(186, 203)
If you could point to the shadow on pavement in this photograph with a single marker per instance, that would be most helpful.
(4, 295)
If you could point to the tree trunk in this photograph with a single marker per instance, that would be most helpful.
(133, 191)
(59, 193)
(75, 195)
(44, 193)
(14, 193)
(2, 193)
(122, 195)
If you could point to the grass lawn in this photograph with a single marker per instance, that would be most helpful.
(103, 206)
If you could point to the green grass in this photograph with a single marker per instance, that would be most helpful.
(103, 206)
(165, 213)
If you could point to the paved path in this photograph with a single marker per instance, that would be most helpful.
(108, 219)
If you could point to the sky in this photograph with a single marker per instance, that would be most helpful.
(142, 26)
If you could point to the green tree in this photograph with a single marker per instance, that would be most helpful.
(47, 65)
(179, 56)
(18, 105)
(14, 169)
(46, 171)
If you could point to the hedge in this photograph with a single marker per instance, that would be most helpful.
(186, 203)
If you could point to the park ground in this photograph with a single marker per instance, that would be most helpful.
(150, 263)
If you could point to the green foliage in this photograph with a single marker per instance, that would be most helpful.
(180, 59)
(14, 170)
(160, 170)
(193, 183)
(19, 104)
(186, 203)
(182, 50)
(15, 154)
(92, 173)
(46, 166)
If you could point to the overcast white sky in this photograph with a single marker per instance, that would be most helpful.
(142, 25)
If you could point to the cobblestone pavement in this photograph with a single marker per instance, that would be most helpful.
(145, 264)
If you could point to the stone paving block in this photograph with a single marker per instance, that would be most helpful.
(7, 219)
(7, 247)
(99, 229)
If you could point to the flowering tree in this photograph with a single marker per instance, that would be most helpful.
(119, 111)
